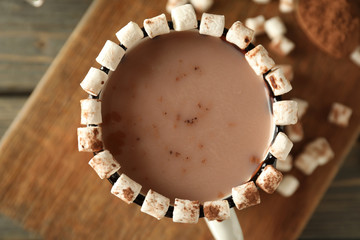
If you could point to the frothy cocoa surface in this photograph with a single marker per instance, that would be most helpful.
(186, 116)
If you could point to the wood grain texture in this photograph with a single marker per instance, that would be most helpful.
(49, 187)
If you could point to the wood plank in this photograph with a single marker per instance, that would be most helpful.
(57, 184)
(9, 107)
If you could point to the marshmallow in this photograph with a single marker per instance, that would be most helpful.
(156, 26)
(104, 164)
(285, 165)
(202, 5)
(285, 112)
(287, 70)
(94, 81)
(90, 111)
(184, 18)
(240, 35)
(278, 82)
(269, 179)
(171, 4)
(245, 195)
(186, 211)
(306, 163)
(282, 45)
(126, 189)
(281, 146)
(288, 185)
(155, 204)
(217, 210)
(89, 139)
(259, 60)
(212, 24)
(274, 27)
(302, 106)
(256, 24)
(355, 56)
(295, 132)
(110, 56)
(261, 1)
(340, 114)
(130, 34)
(286, 6)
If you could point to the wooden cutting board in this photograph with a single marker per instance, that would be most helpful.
(49, 187)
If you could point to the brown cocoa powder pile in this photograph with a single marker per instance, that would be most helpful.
(333, 25)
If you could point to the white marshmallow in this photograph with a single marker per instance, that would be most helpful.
(285, 112)
(306, 163)
(259, 60)
(302, 107)
(212, 24)
(269, 179)
(286, 6)
(90, 111)
(282, 45)
(217, 210)
(288, 185)
(278, 82)
(202, 5)
(186, 211)
(184, 18)
(110, 55)
(155, 204)
(340, 114)
(261, 1)
(240, 35)
(130, 34)
(285, 165)
(94, 81)
(256, 24)
(295, 132)
(274, 27)
(171, 4)
(104, 164)
(89, 139)
(126, 189)
(245, 195)
(281, 146)
(156, 26)
(321, 150)
(287, 70)
(355, 56)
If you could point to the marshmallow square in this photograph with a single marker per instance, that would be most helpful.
(184, 18)
(104, 164)
(278, 82)
(302, 106)
(240, 35)
(94, 81)
(261, 1)
(245, 195)
(281, 146)
(89, 139)
(217, 210)
(155, 204)
(321, 150)
(171, 4)
(285, 165)
(130, 34)
(286, 6)
(340, 114)
(282, 45)
(90, 111)
(126, 189)
(274, 27)
(156, 26)
(110, 55)
(295, 132)
(256, 24)
(355, 56)
(287, 70)
(186, 211)
(285, 112)
(288, 185)
(212, 24)
(259, 60)
(202, 5)
(306, 163)
(269, 179)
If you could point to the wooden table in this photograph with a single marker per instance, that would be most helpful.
(54, 203)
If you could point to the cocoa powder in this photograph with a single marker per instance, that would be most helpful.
(333, 25)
